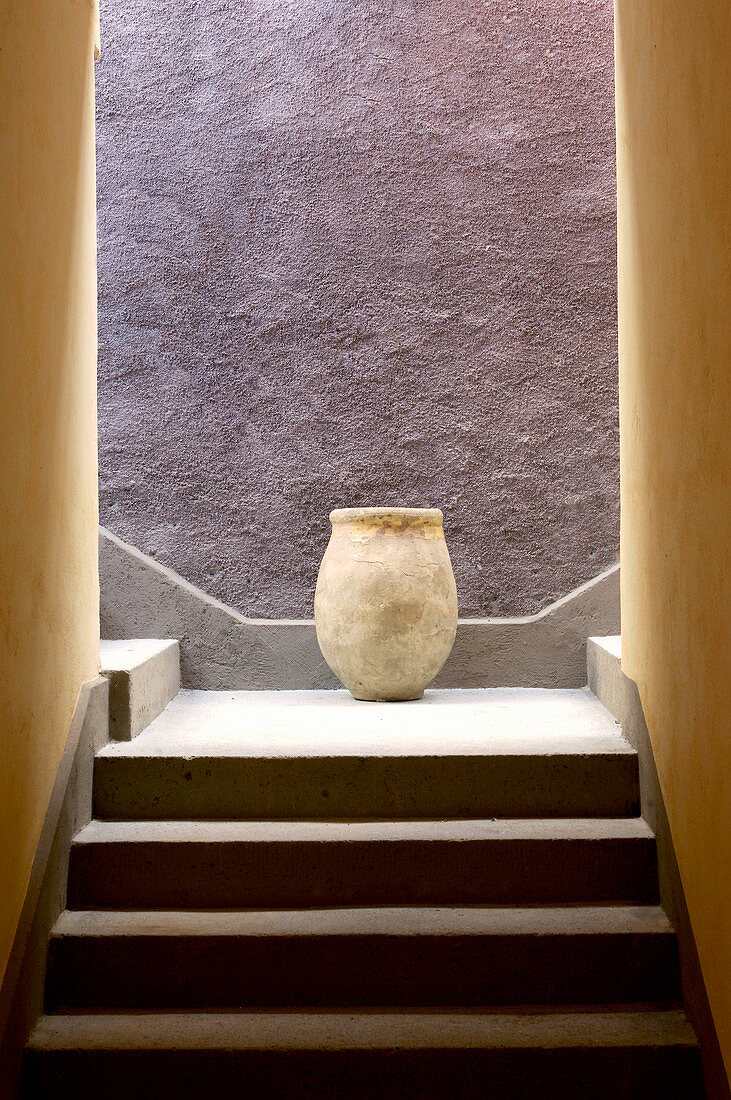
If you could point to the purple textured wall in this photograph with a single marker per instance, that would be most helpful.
(359, 252)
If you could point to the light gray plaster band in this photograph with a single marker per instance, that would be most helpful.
(222, 650)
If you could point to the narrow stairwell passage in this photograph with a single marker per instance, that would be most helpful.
(292, 894)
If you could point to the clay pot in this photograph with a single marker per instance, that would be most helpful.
(386, 601)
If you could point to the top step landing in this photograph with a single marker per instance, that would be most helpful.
(502, 752)
(466, 722)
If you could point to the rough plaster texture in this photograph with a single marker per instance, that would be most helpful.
(357, 254)
(221, 649)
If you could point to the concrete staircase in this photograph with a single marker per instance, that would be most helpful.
(290, 894)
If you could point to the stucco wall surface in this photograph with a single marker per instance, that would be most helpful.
(49, 593)
(674, 165)
(359, 253)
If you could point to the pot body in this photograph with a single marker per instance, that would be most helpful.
(386, 601)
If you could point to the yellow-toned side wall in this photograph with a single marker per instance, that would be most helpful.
(49, 637)
(674, 183)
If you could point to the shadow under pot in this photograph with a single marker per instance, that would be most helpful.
(386, 601)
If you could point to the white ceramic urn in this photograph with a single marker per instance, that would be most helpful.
(386, 601)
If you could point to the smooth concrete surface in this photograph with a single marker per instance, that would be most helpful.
(620, 695)
(609, 684)
(363, 956)
(69, 809)
(49, 593)
(421, 1056)
(229, 864)
(580, 920)
(357, 254)
(330, 723)
(614, 689)
(274, 832)
(144, 676)
(295, 755)
(373, 1030)
(674, 236)
(222, 650)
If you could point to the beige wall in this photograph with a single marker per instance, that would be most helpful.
(48, 499)
(674, 169)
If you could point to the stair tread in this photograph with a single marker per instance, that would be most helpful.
(364, 831)
(361, 1029)
(386, 921)
(459, 722)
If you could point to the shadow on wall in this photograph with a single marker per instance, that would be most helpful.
(359, 254)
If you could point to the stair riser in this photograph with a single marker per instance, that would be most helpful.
(300, 874)
(364, 970)
(501, 1074)
(395, 788)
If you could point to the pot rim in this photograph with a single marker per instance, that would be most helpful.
(353, 515)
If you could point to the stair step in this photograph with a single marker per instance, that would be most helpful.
(596, 784)
(363, 1054)
(391, 956)
(264, 864)
(301, 755)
